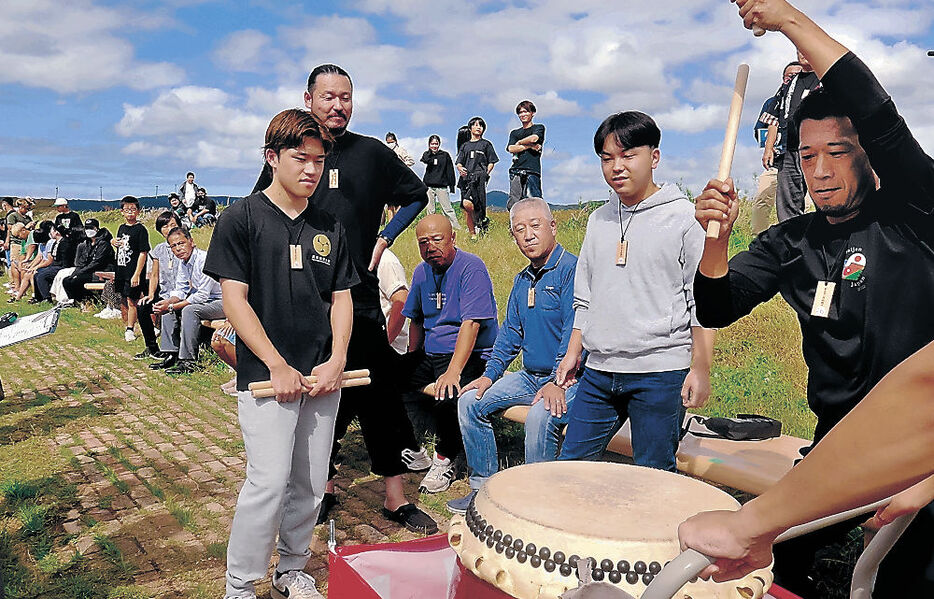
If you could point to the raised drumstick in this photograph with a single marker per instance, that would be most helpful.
(729, 138)
(268, 391)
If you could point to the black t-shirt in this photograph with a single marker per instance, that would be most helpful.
(529, 160)
(882, 262)
(476, 156)
(202, 203)
(70, 220)
(251, 245)
(369, 176)
(133, 240)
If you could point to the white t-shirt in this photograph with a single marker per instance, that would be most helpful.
(189, 199)
(391, 275)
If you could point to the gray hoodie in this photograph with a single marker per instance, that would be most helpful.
(638, 317)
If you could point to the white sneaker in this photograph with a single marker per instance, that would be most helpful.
(243, 595)
(129, 335)
(416, 460)
(113, 314)
(439, 477)
(294, 584)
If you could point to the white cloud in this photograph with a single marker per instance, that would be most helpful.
(246, 50)
(76, 47)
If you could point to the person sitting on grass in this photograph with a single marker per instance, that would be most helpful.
(453, 327)
(196, 297)
(163, 268)
(96, 255)
(203, 213)
(538, 323)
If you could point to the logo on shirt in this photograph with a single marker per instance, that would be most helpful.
(854, 267)
(322, 245)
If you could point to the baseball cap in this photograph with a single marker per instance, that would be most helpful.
(61, 202)
(92, 223)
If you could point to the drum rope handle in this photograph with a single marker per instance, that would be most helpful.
(690, 563)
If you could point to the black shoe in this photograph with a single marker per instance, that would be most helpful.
(183, 366)
(35, 300)
(160, 355)
(327, 503)
(166, 362)
(413, 519)
(147, 354)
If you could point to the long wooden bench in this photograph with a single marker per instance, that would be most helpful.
(749, 466)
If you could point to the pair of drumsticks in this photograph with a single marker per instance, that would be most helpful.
(350, 378)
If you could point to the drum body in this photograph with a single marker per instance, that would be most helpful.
(528, 526)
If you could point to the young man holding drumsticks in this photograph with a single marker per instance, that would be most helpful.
(286, 275)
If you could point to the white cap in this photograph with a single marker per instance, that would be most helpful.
(61, 202)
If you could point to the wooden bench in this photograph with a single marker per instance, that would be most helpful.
(749, 466)
(94, 286)
(104, 276)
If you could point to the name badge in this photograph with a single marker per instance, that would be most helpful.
(333, 178)
(622, 251)
(295, 256)
(823, 297)
(472, 153)
(438, 300)
(435, 162)
(531, 302)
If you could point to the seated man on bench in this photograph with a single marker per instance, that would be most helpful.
(196, 297)
(453, 328)
(539, 320)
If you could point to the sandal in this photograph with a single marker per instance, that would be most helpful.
(412, 518)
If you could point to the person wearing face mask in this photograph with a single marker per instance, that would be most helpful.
(439, 177)
(97, 254)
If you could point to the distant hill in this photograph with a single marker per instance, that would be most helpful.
(496, 202)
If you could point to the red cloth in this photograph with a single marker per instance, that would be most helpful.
(417, 569)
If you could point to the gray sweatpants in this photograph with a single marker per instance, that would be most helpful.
(287, 450)
(184, 339)
(443, 197)
(791, 189)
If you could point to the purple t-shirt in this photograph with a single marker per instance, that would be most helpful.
(466, 294)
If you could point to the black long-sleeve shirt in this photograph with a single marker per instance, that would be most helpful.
(882, 261)
(439, 169)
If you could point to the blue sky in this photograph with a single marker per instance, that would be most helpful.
(128, 95)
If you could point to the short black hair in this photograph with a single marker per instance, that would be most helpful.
(817, 105)
(327, 69)
(432, 137)
(129, 200)
(179, 231)
(477, 119)
(189, 173)
(527, 104)
(164, 218)
(392, 135)
(632, 129)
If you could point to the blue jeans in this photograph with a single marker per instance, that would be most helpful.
(542, 430)
(652, 402)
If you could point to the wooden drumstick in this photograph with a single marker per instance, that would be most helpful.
(345, 383)
(348, 375)
(729, 138)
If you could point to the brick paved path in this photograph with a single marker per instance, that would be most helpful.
(158, 463)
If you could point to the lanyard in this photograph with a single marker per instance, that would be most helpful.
(632, 214)
(439, 284)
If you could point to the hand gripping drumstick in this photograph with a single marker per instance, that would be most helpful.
(729, 138)
(350, 378)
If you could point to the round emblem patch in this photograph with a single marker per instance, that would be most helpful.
(322, 244)
(853, 266)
